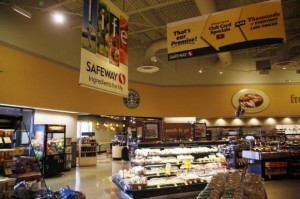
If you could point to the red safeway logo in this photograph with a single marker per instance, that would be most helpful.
(122, 78)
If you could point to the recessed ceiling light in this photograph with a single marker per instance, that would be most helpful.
(200, 70)
(221, 72)
(58, 18)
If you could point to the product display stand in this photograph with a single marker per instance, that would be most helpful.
(68, 154)
(87, 150)
(169, 168)
(267, 164)
(20, 167)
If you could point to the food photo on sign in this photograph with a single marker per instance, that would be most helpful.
(250, 101)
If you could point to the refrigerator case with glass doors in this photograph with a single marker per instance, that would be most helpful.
(48, 142)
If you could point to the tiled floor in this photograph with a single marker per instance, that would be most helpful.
(95, 182)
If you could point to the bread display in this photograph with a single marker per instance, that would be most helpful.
(229, 185)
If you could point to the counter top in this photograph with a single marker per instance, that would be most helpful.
(257, 155)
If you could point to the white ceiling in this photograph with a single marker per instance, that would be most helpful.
(147, 25)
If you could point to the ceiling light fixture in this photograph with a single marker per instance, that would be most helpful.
(153, 59)
(148, 69)
(200, 70)
(21, 11)
(58, 18)
(221, 72)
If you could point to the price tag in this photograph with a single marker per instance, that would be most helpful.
(7, 140)
(187, 163)
(7, 171)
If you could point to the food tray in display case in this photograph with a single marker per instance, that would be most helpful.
(142, 191)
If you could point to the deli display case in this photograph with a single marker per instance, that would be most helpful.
(48, 142)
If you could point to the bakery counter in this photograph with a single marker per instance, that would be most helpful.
(144, 191)
(267, 164)
(257, 155)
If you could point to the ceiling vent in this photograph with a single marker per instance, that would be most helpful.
(148, 69)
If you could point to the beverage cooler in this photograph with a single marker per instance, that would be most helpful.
(48, 142)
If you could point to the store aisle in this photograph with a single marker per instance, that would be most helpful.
(95, 182)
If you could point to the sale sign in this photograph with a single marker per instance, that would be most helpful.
(248, 26)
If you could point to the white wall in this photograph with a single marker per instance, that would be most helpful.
(103, 135)
(51, 117)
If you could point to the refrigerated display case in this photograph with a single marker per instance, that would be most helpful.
(48, 142)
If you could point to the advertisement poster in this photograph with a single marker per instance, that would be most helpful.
(251, 100)
(103, 67)
(244, 27)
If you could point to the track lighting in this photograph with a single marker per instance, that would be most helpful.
(21, 11)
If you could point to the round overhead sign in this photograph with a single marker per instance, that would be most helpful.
(251, 100)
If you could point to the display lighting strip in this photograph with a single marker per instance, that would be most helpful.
(21, 11)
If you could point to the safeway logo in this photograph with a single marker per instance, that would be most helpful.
(122, 78)
(180, 55)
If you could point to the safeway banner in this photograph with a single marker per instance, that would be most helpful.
(244, 27)
(104, 57)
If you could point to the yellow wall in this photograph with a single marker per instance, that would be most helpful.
(35, 82)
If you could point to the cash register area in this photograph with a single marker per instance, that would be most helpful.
(96, 182)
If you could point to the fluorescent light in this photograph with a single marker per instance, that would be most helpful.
(21, 11)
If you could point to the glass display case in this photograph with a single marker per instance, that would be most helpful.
(48, 142)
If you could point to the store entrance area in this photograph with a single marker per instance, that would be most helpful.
(96, 182)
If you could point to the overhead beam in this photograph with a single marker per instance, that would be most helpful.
(58, 5)
(156, 6)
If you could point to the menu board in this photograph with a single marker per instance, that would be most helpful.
(248, 26)
(177, 131)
